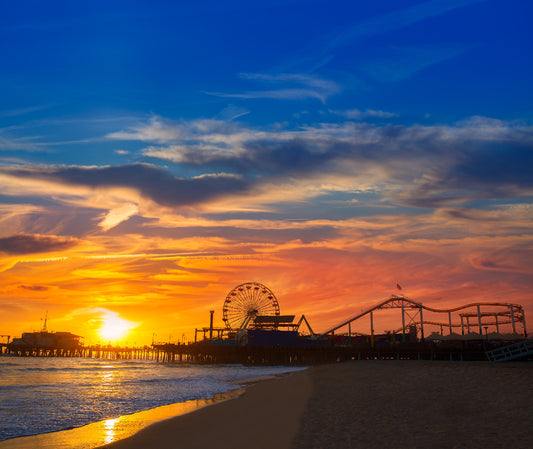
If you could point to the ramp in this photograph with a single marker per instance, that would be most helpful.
(513, 351)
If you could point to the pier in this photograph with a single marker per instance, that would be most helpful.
(93, 352)
(205, 352)
(324, 351)
(253, 338)
(4, 341)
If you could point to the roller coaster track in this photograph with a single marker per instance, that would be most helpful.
(438, 323)
(515, 312)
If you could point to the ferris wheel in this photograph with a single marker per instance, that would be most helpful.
(245, 302)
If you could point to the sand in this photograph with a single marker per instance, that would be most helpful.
(267, 415)
(364, 404)
(410, 404)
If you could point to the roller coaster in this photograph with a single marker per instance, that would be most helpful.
(495, 315)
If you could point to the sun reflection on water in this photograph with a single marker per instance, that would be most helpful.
(109, 429)
(107, 385)
(107, 376)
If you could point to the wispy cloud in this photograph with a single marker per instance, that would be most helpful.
(31, 244)
(232, 112)
(118, 215)
(403, 62)
(358, 114)
(44, 135)
(151, 182)
(23, 111)
(292, 86)
(323, 49)
(396, 20)
(35, 288)
(25, 144)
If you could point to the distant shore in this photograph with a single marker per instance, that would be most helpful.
(364, 404)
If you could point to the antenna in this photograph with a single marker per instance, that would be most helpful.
(45, 320)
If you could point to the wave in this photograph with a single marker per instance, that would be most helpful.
(9, 364)
(44, 395)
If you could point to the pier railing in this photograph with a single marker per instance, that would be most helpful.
(514, 351)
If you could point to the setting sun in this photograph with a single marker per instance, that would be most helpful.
(115, 328)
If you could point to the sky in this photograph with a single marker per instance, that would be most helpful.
(154, 155)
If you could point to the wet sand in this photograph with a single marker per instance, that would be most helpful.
(364, 404)
(267, 415)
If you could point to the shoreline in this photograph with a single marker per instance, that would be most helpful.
(47, 399)
(103, 432)
(259, 418)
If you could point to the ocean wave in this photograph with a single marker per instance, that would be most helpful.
(9, 364)
(45, 395)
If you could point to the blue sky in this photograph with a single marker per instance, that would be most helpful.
(372, 130)
(445, 60)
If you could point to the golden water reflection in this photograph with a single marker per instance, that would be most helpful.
(104, 432)
(109, 430)
(108, 383)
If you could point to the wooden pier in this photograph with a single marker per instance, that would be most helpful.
(207, 352)
(204, 352)
(95, 351)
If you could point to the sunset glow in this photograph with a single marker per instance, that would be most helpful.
(114, 329)
(151, 159)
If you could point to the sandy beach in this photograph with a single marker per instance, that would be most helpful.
(364, 404)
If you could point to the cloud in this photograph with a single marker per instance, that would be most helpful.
(152, 182)
(422, 166)
(11, 144)
(232, 112)
(357, 114)
(24, 111)
(404, 62)
(237, 167)
(31, 244)
(118, 215)
(34, 288)
(323, 51)
(161, 130)
(521, 213)
(293, 86)
(511, 259)
(278, 94)
(396, 20)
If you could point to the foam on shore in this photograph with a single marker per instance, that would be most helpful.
(104, 432)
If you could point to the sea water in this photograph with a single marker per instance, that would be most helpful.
(40, 395)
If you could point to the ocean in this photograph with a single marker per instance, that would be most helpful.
(40, 395)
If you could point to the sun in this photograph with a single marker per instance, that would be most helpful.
(115, 328)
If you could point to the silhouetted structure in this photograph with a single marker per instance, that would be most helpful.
(256, 333)
(46, 343)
